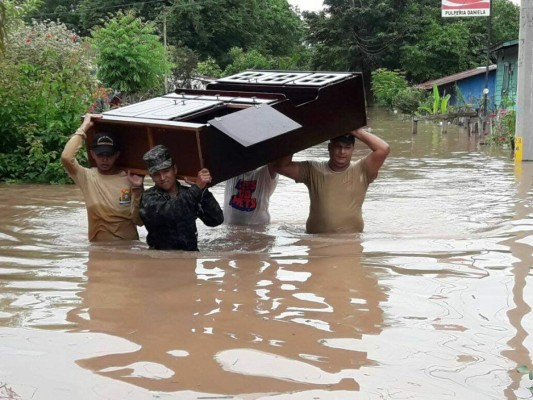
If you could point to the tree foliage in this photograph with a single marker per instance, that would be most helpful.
(46, 84)
(208, 68)
(3, 27)
(408, 35)
(241, 60)
(184, 62)
(440, 51)
(94, 13)
(131, 58)
(213, 28)
(386, 85)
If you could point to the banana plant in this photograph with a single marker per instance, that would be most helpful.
(440, 104)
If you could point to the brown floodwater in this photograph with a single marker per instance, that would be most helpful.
(432, 301)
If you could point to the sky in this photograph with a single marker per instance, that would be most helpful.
(315, 5)
(307, 5)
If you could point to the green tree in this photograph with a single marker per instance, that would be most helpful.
(409, 35)
(353, 35)
(131, 58)
(440, 51)
(429, 39)
(278, 29)
(212, 28)
(505, 22)
(3, 27)
(92, 13)
(12, 13)
(66, 11)
(242, 60)
(208, 68)
(386, 85)
(85, 15)
(185, 61)
(46, 84)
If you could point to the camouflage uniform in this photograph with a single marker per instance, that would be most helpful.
(171, 220)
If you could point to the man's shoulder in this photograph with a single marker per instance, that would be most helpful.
(317, 166)
(152, 192)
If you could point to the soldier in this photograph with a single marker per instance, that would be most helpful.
(169, 210)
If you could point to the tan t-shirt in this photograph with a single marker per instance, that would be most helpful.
(111, 205)
(336, 197)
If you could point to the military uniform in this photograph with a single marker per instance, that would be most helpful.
(170, 219)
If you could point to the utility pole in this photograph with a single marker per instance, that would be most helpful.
(165, 43)
(487, 69)
(524, 94)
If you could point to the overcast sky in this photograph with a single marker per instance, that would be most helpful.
(307, 5)
(315, 5)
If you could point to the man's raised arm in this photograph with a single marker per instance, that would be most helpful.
(380, 151)
(285, 166)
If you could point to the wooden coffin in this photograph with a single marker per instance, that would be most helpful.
(239, 122)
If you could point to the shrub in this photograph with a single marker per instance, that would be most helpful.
(409, 100)
(503, 128)
(46, 82)
(386, 85)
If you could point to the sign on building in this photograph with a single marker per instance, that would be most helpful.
(465, 8)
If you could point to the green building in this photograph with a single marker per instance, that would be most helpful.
(507, 73)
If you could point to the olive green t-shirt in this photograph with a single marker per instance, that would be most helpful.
(336, 197)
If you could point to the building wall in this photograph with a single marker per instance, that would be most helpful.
(507, 74)
(472, 90)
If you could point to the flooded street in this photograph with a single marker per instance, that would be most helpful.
(432, 301)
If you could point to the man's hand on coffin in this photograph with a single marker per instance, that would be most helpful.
(136, 181)
(88, 122)
(202, 180)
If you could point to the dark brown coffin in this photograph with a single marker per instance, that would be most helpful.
(240, 122)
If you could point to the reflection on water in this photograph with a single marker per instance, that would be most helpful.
(431, 301)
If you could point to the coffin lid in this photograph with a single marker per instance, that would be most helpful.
(255, 124)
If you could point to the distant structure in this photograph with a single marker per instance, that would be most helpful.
(507, 73)
(466, 87)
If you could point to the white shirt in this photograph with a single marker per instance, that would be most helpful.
(247, 196)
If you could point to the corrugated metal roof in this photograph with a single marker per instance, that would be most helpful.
(456, 77)
(510, 43)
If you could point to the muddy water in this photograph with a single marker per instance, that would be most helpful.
(431, 302)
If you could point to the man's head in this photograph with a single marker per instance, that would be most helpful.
(348, 139)
(340, 152)
(105, 151)
(161, 167)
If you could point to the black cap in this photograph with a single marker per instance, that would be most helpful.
(347, 138)
(157, 158)
(104, 143)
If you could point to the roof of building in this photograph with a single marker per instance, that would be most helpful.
(456, 77)
(510, 43)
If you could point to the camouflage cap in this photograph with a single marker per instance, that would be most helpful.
(157, 158)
